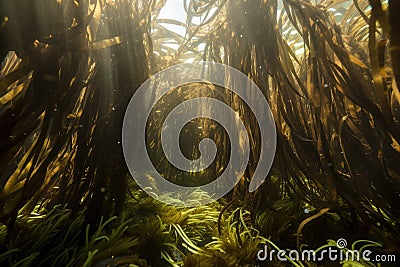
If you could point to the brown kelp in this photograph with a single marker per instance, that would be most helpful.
(335, 110)
(69, 69)
(64, 90)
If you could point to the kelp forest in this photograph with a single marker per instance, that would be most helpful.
(327, 68)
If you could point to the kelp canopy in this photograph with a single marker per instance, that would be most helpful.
(69, 69)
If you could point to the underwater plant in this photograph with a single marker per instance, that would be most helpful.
(336, 111)
(329, 69)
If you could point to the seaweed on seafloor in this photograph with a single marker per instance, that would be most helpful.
(198, 224)
(237, 246)
(33, 236)
(174, 236)
(55, 239)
